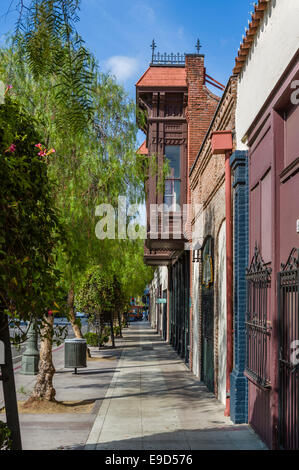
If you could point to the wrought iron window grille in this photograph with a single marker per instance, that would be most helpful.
(258, 327)
(288, 323)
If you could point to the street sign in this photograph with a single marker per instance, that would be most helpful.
(161, 301)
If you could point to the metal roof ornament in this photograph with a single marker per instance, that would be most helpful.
(198, 46)
(153, 47)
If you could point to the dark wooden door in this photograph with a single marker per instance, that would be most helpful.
(180, 307)
(164, 317)
(208, 316)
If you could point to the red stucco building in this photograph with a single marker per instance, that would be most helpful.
(268, 126)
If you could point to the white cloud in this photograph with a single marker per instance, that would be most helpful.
(141, 11)
(122, 67)
(181, 33)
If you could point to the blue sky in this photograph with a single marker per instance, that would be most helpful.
(120, 32)
(125, 28)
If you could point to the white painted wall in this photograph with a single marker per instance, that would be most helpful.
(275, 44)
(164, 277)
(222, 315)
(195, 312)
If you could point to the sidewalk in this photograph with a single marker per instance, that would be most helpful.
(144, 398)
(66, 430)
(155, 403)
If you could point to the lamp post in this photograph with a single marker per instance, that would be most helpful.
(30, 357)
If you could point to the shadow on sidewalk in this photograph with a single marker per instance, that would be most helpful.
(214, 438)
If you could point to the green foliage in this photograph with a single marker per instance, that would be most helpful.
(57, 82)
(92, 339)
(46, 37)
(96, 296)
(5, 437)
(29, 227)
(132, 273)
(87, 169)
(95, 339)
(117, 331)
(104, 337)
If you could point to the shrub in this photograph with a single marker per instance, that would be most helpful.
(117, 330)
(5, 437)
(104, 339)
(106, 330)
(92, 339)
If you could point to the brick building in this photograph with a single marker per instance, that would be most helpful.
(207, 181)
(232, 300)
(178, 109)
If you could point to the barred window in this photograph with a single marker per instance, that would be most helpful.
(258, 330)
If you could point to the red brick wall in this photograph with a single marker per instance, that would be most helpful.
(202, 105)
(201, 108)
(207, 188)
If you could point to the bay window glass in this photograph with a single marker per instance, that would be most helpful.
(172, 192)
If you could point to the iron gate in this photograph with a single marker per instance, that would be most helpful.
(258, 325)
(288, 318)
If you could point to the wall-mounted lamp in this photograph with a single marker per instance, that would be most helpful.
(196, 253)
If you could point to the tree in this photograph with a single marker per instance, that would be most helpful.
(89, 121)
(29, 225)
(96, 296)
(88, 168)
(29, 233)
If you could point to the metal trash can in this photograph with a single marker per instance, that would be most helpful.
(75, 353)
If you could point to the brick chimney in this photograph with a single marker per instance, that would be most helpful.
(202, 105)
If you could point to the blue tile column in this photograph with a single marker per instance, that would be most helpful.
(238, 382)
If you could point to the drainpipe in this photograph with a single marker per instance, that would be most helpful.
(229, 279)
(222, 144)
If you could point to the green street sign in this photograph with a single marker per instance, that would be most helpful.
(161, 301)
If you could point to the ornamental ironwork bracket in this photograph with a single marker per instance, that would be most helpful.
(292, 263)
(258, 269)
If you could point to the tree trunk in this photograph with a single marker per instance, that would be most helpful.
(112, 331)
(119, 322)
(43, 388)
(72, 317)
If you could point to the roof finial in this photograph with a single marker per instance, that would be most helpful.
(153, 47)
(198, 46)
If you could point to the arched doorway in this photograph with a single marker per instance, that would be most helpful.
(207, 366)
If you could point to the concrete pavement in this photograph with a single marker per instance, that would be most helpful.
(155, 403)
(144, 398)
(66, 430)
